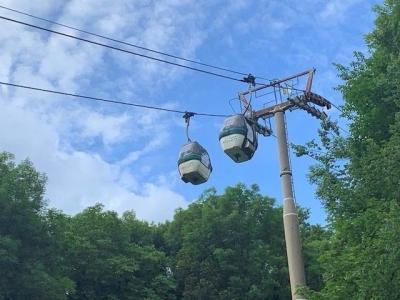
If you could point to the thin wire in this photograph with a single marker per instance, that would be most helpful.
(124, 43)
(337, 107)
(122, 50)
(230, 104)
(108, 100)
(187, 129)
(266, 103)
(344, 130)
(291, 148)
(300, 90)
(262, 95)
(333, 104)
(249, 104)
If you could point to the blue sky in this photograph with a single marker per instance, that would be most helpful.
(126, 158)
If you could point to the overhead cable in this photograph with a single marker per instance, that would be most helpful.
(109, 100)
(121, 50)
(124, 43)
(337, 107)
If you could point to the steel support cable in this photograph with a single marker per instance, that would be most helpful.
(337, 107)
(291, 145)
(123, 42)
(122, 50)
(108, 100)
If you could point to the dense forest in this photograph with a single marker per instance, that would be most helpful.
(230, 245)
(226, 246)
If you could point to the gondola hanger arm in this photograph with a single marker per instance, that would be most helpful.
(187, 117)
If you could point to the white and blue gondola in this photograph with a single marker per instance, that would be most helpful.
(194, 163)
(238, 138)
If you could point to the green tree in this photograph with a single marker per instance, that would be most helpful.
(28, 268)
(229, 246)
(114, 258)
(358, 177)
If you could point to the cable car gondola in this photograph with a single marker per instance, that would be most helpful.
(194, 163)
(238, 138)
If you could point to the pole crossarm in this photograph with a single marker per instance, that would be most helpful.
(270, 111)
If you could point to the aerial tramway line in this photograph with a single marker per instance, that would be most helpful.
(239, 134)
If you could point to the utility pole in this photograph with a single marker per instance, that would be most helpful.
(301, 100)
(290, 220)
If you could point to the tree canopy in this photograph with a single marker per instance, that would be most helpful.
(358, 176)
(227, 246)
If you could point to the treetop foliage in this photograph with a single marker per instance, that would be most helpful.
(227, 246)
(357, 177)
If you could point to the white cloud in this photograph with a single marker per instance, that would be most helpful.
(72, 142)
(77, 179)
(111, 154)
(111, 129)
(335, 10)
(156, 203)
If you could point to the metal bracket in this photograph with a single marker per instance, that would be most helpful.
(265, 131)
(251, 79)
(188, 115)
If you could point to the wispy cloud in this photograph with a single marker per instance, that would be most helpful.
(69, 140)
(109, 154)
(335, 11)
